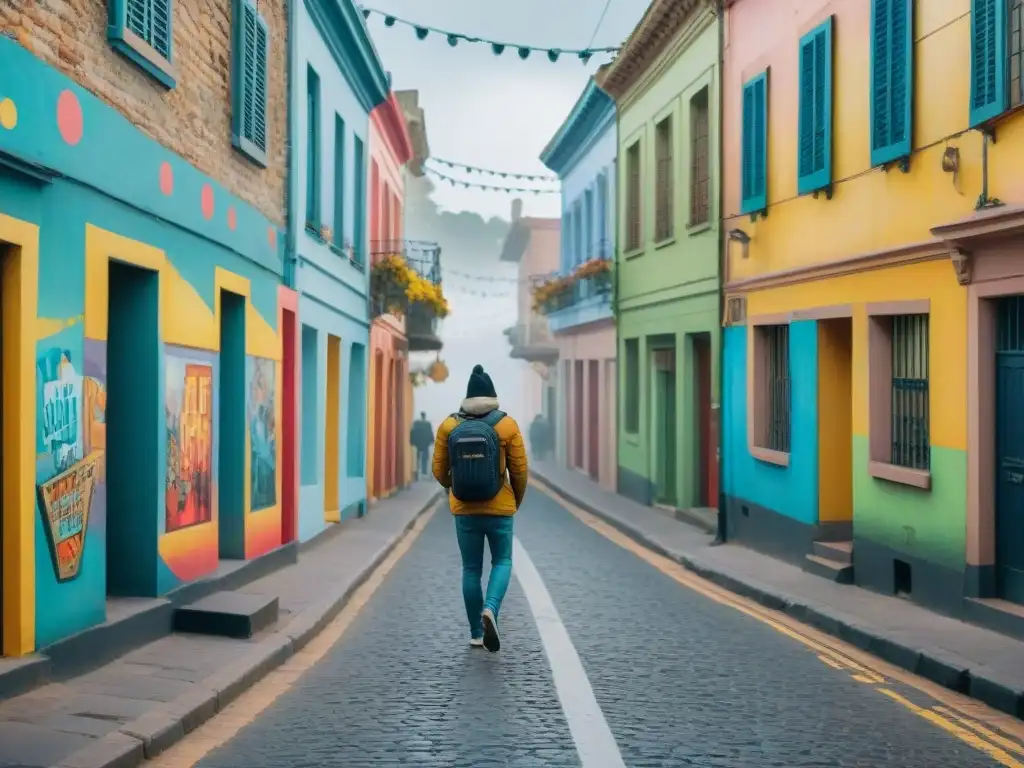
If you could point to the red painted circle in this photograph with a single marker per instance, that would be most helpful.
(232, 218)
(271, 237)
(207, 202)
(166, 178)
(69, 117)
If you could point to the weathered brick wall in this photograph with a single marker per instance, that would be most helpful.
(192, 119)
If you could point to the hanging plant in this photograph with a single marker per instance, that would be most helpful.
(549, 294)
(428, 294)
(390, 277)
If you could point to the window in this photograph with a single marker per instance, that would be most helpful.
(663, 228)
(310, 385)
(633, 232)
(700, 161)
(577, 233)
(399, 223)
(359, 195)
(312, 150)
(754, 183)
(892, 79)
(898, 392)
(356, 437)
(588, 252)
(815, 113)
(141, 31)
(631, 392)
(384, 225)
(250, 50)
(991, 34)
(567, 230)
(339, 181)
(771, 388)
(910, 444)
(1016, 41)
(375, 202)
(602, 215)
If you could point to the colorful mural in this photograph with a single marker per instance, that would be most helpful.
(69, 466)
(260, 380)
(189, 411)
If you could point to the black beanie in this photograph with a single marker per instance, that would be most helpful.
(480, 384)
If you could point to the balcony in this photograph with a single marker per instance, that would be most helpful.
(421, 319)
(532, 341)
(581, 296)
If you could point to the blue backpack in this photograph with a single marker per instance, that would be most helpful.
(474, 452)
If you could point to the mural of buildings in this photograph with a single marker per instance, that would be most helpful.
(665, 83)
(873, 283)
(139, 231)
(579, 307)
(533, 244)
(336, 82)
(390, 385)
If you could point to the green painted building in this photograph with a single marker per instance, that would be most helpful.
(665, 83)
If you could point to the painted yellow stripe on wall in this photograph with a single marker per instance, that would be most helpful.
(933, 280)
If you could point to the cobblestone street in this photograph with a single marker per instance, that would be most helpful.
(682, 680)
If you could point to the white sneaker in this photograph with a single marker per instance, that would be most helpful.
(491, 640)
(476, 642)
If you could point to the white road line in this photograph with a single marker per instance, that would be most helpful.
(594, 741)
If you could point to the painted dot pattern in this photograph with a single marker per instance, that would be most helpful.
(232, 218)
(207, 202)
(166, 178)
(69, 117)
(8, 114)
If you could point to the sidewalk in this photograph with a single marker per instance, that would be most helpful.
(966, 658)
(143, 702)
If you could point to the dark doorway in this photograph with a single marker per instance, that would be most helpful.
(577, 409)
(289, 478)
(231, 428)
(594, 419)
(1010, 449)
(132, 419)
(702, 415)
(664, 386)
(4, 255)
(378, 423)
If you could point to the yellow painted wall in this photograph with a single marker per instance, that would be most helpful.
(835, 420)
(931, 280)
(872, 209)
(332, 435)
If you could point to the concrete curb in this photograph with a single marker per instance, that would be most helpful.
(146, 737)
(939, 666)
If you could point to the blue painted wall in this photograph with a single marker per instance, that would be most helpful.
(792, 490)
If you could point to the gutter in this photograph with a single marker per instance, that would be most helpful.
(291, 256)
(722, 268)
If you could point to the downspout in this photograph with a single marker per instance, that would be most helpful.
(723, 267)
(291, 257)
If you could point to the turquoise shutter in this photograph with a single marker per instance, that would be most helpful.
(815, 114)
(339, 180)
(136, 17)
(249, 75)
(754, 149)
(892, 79)
(259, 101)
(988, 60)
(160, 37)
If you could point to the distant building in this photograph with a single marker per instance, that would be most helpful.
(579, 310)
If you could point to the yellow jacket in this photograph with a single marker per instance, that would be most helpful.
(513, 459)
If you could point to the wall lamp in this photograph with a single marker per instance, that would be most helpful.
(741, 237)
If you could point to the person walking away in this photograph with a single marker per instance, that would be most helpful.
(480, 458)
(538, 437)
(421, 437)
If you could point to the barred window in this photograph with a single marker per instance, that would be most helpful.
(910, 405)
(663, 180)
(631, 392)
(1015, 29)
(633, 232)
(772, 378)
(700, 163)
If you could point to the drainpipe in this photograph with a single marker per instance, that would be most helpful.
(291, 257)
(722, 273)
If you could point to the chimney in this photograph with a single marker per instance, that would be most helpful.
(517, 210)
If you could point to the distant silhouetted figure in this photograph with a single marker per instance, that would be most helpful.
(540, 437)
(422, 437)
(480, 458)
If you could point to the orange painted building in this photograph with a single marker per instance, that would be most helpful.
(390, 395)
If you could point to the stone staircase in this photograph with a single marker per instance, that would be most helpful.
(832, 560)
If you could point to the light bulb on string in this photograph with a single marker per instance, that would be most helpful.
(497, 49)
(453, 40)
(524, 53)
(422, 32)
(553, 55)
(389, 21)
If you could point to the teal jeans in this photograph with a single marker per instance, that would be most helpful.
(472, 530)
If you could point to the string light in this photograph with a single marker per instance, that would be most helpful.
(491, 172)
(488, 187)
(497, 47)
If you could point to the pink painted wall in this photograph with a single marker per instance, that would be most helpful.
(541, 257)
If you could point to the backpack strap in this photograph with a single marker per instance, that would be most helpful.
(492, 418)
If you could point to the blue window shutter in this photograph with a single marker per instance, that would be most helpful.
(892, 79)
(259, 106)
(339, 181)
(160, 39)
(312, 149)
(754, 149)
(814, 163)
(988, 60)
(250, 49)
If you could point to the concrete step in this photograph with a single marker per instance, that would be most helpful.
(841, 573)
(840, 551)
(228, 614)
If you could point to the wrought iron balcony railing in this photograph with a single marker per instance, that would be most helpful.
(423, 256)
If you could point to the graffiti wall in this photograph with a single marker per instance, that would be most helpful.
(261, 384)
(189, 412)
